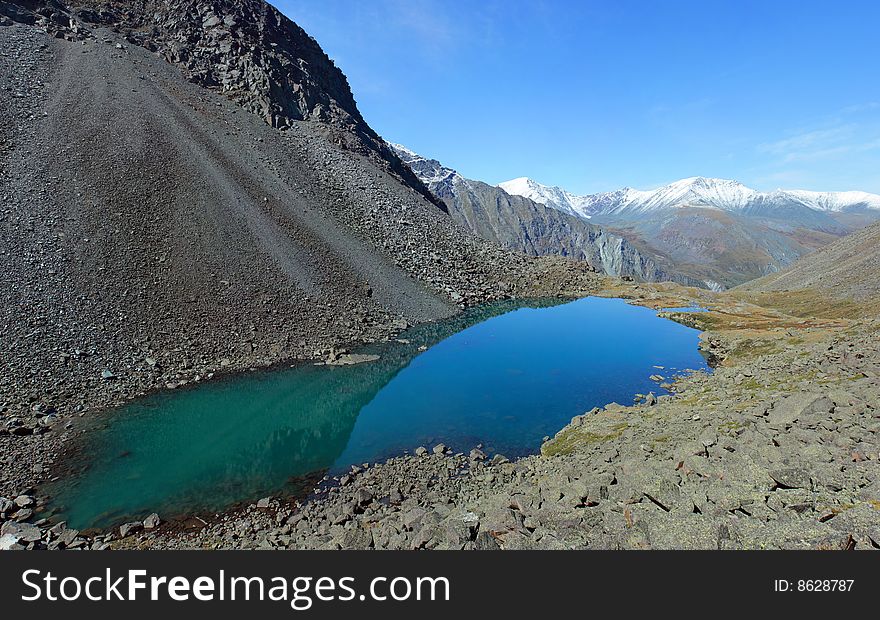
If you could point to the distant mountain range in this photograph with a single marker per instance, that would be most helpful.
(717, 231)
(721, 194)
(521, 224)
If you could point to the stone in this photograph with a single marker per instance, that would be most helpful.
(363, 497)
(23, 514)
(107, 375)
(708, 438)
(23, 501)
(486, 542)
(8, 542)
(350, 359)
(836, 542)
(49, 421)
(67, 536)
(421, 451)
(477, 455)
(22, 532)
(356, 538)
(127, 529)
(791, 478)
(152, 522)
(791, 408)
(499, 459)
(440, 449)
(264, 503)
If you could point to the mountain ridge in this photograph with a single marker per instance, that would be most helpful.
(725, 194)
(717, 231)
(520, 224)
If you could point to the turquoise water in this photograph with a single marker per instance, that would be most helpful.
(503, 376)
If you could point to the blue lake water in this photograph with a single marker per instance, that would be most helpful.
(503, 376)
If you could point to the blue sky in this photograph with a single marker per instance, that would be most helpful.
(593, 95)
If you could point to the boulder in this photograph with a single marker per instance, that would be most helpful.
(363, 497)
(127, 529)
(791, 478)
(22, 532)
(792, 408)
(477, 455)
(499, 459)
(8, 542)
(23, 501)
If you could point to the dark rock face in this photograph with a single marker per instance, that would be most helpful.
(245, 49)
(52, 15)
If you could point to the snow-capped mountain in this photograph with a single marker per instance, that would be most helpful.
(716, 230)
(555, 197)
(723, 194)
(521, 224)
(715, 233)
(429, 171)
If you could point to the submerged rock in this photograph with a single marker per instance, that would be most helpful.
(349, 359)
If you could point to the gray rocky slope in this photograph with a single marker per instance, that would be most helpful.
(518, 223)
(154, 233)
(849, 268)
(246, 50)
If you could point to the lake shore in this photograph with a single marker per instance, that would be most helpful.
(777, 448)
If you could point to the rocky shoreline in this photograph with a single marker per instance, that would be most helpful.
(777, 448)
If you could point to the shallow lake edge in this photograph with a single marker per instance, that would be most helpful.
(71, 459)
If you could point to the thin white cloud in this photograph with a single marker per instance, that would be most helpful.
(807, 141)
(820, 144)
(861, 107)
(425, 19)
